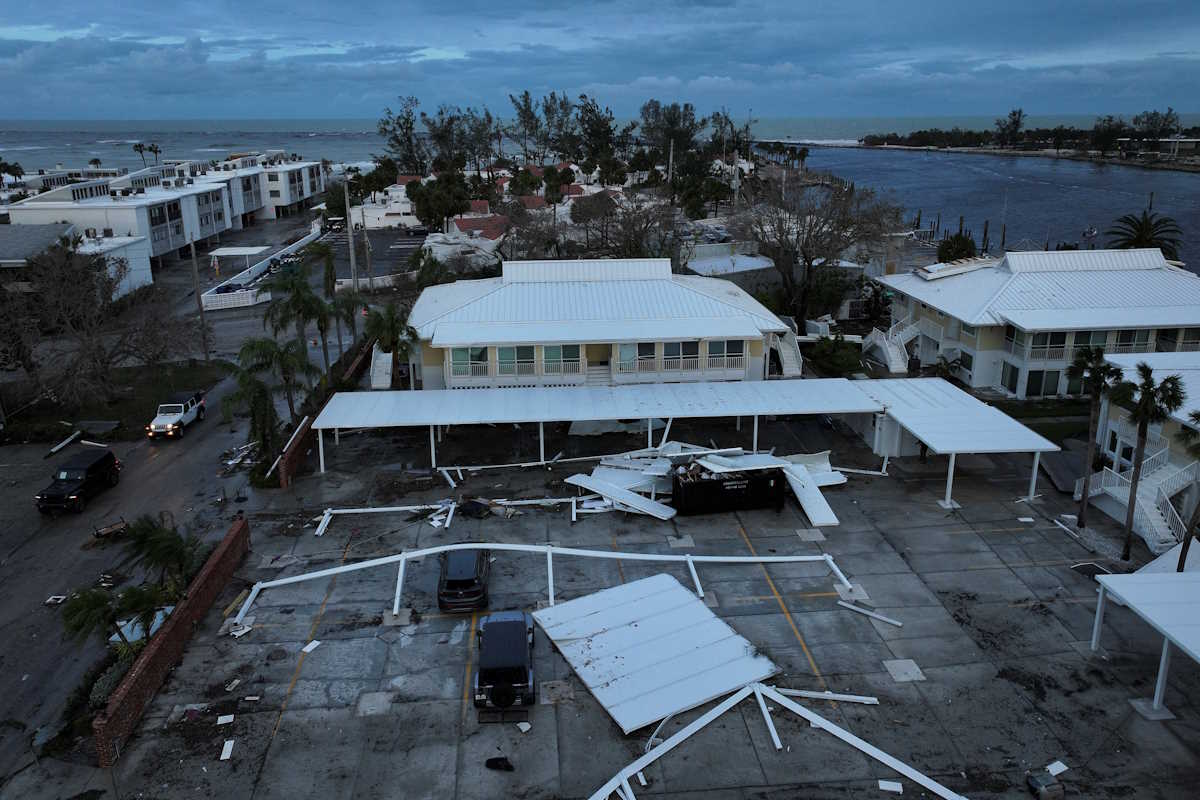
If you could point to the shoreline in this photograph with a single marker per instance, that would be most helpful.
(1073, 155)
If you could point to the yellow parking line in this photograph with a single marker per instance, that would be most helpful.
(620, 570)
(783, 607)
(470, 651)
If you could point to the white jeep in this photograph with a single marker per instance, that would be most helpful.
(173, 416)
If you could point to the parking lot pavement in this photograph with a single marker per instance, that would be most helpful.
(992, 615)
(390, 251)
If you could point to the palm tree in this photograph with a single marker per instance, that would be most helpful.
(140, 149)
(391, 329)
(802, 154)
(289, 361)
(1147, 230)
(157, 547)
(141, 604)
(1150, 403)
(348, 306)
(323, 314)
(155, 149)
(1099, 378)
(293, 301)
(254, 396)
(1190, 436)
(321, 251)
(92, 611)
(94, 163)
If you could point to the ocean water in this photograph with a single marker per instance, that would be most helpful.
(1038, 199)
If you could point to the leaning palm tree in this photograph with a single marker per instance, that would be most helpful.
(140, 149)
(1146, 230)
(1099, 378)
(288, 361)
(390, 327)
(1150, 402)
(162, 549)
(94, 162)
(1189, 435)
(155, 149)
(293, 301)
(92, 611)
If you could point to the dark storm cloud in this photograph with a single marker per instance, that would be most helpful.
(137, 58)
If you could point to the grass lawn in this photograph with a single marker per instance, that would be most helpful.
(139, 390)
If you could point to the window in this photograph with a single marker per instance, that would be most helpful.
(638, 357)
(173, 211)
(968, 330)
(681, 355)
(1112, 441)
(515, 360)
(1191, 335)
(1133, 341)
(220, 216)
(1008, 377)
(246, 185)
(468, 361)
(724, 353)
(560, 359)
(967, 361)
(272, 177)
(158, 215)
(205, 219)
(1074, 385)
(274, 193)
(1041, 383)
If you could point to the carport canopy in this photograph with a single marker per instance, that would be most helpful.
(1167, 601)
(438, 407)
(950, 421)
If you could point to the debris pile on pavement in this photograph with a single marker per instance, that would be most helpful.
(237, 458)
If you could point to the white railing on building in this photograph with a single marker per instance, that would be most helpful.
(1174, 522)
(561, 368)
(215, 299)
(471, 370)
(726, 362)
(931, 329)
(681, 363)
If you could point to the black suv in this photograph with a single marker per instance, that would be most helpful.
(462, 584)
(505, 674)
(77, 479)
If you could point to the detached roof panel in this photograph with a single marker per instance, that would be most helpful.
(1167, 601)
(391, 409)
(650, 648)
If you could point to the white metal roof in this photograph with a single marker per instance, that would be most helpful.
(614, 297)
(1186, 365)
(729, 264)
(1064, 290)
(365, 409)
(651, 648)
(1166, 600)
(459, 334)
(950, 420)
(239, 251)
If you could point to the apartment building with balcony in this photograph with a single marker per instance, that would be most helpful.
(290, 185)
(595, 322)
(1014, 323)
(1168, 489)
(170, 212)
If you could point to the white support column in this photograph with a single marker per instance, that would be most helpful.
(762, 706)
(1033, 477)
(337, 435)
(432, 450)
(321, 449)
(439, 433)
(948, 503)
(695, 577)
(541, 443)
(666, 432)
(755, 445)
(1160, 686)
(399, 583)
(1099, 618)
(649, 433)
(550, 572)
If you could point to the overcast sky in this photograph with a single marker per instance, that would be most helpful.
(104, 59)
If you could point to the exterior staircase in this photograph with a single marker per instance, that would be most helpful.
(790, 359)
(381, 369)
(1155, 518)
(890, 344)
(598, 375)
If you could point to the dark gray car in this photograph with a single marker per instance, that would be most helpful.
(505, 674)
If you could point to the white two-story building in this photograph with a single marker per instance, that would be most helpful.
(290, 185)
(595, 322)
(1014, 323)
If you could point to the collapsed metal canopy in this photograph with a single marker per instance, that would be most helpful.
(650, 648)
(579, 403)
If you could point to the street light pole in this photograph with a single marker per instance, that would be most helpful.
(350, 232)
(199, 301)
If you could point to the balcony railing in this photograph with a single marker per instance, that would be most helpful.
(1130, 347)
(726, 362)
(472, 370)
(681, 363)
(1047, 353)
(517, 368)
(561, 368)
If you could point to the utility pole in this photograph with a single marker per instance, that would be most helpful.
(199, 301)
(350, 232)
(671, 162)
(367, 250)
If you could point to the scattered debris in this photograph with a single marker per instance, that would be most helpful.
(1044, 786)
(112, 529)
(313, 645)
(1025, 519)
(55, 600)
(891, 786)
(225, 719)
(227, 750)
(233, 684)
(499, 763)
(871, 614)
(253, 698)
(525, 727)
(63, 443)
(831, 696)
(1056, 768)
(236, 458)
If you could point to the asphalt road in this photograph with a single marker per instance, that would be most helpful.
(41, 556)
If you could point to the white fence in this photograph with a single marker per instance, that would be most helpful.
(214, 299)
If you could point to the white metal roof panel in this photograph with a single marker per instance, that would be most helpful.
(589, 270)
(458, 334)
(366, 409)
(1185, 364)
(950, 420)
(239, 251)
(1166, 601)
(651, 648)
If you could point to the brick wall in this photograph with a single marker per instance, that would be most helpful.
(293, 457)
(120, 717)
